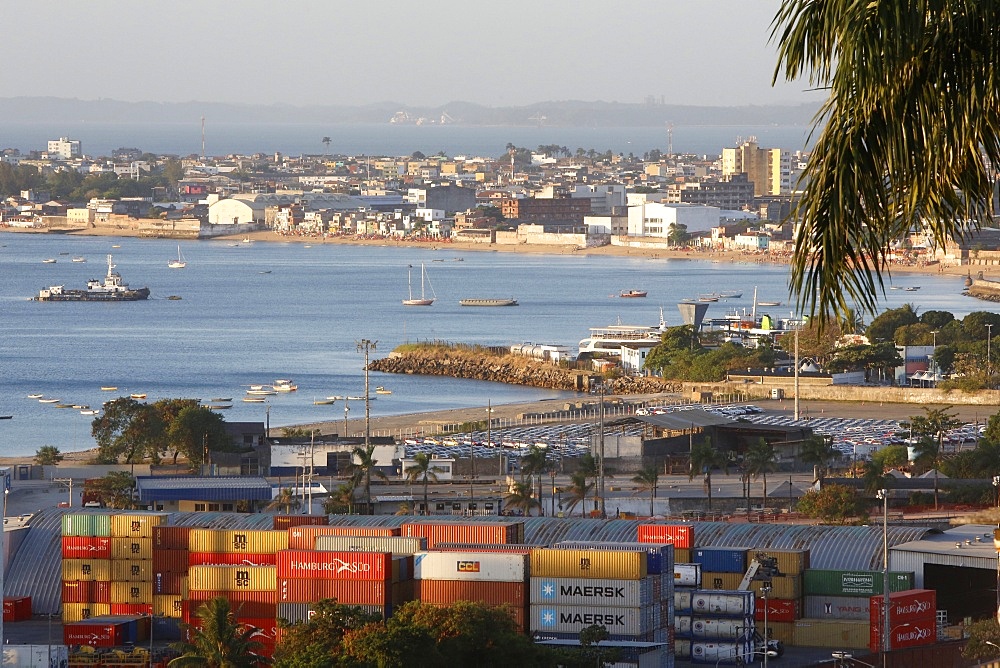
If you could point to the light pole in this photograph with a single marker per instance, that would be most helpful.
(765, 590)
(934, 333)
(991, 644)
(797, 371)
(989, 362)
(366, 346)
(884, 495)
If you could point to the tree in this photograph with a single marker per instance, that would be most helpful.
(115, 490)
(647, 480)
(326, 146)
(521, 497)
(48, 455)
(931, 428)
(984, 636)
(891, 456)
(285, 502)
(899, 112)
(760, 460)
(884, 326)
(589, 467)
(218, 641)
(194, 431)
(818, 450)
(704, 458)
(678, 235)
(579, 488)
(129, 430)
(363, 466)
(340, 500)
(534, 463)
(423, 469)
(317, 643)
(833, 504)
(591, 638)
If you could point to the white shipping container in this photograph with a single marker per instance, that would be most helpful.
(709, 628)
(35, 656)
(682, 625)
(574, 618)
(397, 545)
(723, 603)
(687, 575)
(476, 566)
(581, 591)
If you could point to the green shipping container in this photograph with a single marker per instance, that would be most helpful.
(852, 583)
(86, 524)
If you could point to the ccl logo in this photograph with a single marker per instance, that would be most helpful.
(467, 566)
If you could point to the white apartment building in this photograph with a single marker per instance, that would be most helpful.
(656, 219)
(64, 148)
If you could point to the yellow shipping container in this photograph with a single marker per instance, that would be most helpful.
(77, 612)
(131, 548)
(728, 581)
(682, 555)
(789, 587)
(233, 578)
(168, 605)
(782, 631)
(131, 570)
(87, 570)
(590, 564)
(835, 634)
(136, 525)
(790, 562)
(132, 592)
(261, 541)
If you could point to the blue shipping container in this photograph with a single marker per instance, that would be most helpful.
(721, 559)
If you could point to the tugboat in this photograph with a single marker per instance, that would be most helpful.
(111, 289)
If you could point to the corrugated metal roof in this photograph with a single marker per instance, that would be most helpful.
(203, 488)
(680, 420)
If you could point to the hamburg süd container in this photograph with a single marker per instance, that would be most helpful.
(86, 569)
(778, 610)
(136, 525)
(86, 524)
(904, 605)
(852, 583)
(399, 545)
(328, 565)
(482, 566)
(582, 592)
(16, 608)
(722, 603)
(233, 578)
(591, 564)
(721, 559)
(304, 537)
(257, 541)
(680, 535)
(86, 547)
(914, 633)
(94, 634)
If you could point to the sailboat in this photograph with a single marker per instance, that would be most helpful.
(423, 300)
(179, 263)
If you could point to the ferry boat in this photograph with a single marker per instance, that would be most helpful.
(111, 289)
(610, 339)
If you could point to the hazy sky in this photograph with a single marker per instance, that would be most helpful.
(505, 52)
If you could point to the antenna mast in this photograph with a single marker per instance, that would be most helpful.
(203, 138)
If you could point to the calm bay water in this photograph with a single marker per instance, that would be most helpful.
(236, 326)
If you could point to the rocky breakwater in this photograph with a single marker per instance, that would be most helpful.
(478, 363)
(984, 288)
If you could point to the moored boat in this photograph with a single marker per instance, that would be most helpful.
(48, 401)
(488, 302)
(423, 300)
(138, 395)
(382, 390)
(111, 289)
(254, 400)
(35, 396)
(633, 293)
(179, 263)
(109, 388)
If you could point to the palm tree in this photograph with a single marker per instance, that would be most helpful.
(703, 459)
(647, 480)
(760, 460)
(817, 450)
(326, 144)
(899, 111)
(535, 463)
(285, 502)
(931, 427)
(589, 468)
(578, 490)
(220, 642)
(520, 496)
(423, 469)
(340, 499)
(363, 466)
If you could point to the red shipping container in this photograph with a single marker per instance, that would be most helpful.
(286, 521)
(94, 635)
(86, 591)
(348, 592)
(234, 597)
(491, 593)
(304, 537)
(479, 547)
(778, 610)
(170, 537)
(168, 583)
(240, 608)
(131, 609)
(170, 561)
(317, 565)
(489, 533)
(86, 547)
(680, 535)
(913, 633)
(904, 605)
(229, 559)
(16, 608)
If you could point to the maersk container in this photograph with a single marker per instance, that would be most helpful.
(86, 524)
(679, 535)
(232, 578)
(481, 566)
(590, 564)
(86, 569)
(852, 583)
(714, 628)
(259, 541)
(721, 559)
(574, 618)
(131, 548)
(581, 592)
(722, 653)
(132, 570)
(136, 525)
(304, 537)
(682, 600)
(396, 545)
(660, 557)
(687, 575)
(722, 603)
(836, 607)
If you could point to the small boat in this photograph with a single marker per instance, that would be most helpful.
(423, 300)
(335, 397)
(50, 260)
(256, 387)
(488, 302)
(35, 396)
(89, 411)
(356, 398)
(284, 385)
(708, 298)
(64, 405)
(109, 388)
(180, 262)
(254, 400)
(174, 298)
(322, 402)
(307, 246)
(633, 293)
(247, 240)
(266, 271)
(6, 417)
(768, 303)
(64, 253)
(261, 393)
(116, 245)
(48, 401)
(221, 400)
(218, 407)
(895, 287)
(79, 259)
(731, 294)
(81, 406)
(382, 390)
(138, 395)
(913, 288)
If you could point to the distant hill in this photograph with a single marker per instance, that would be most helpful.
(570, 113)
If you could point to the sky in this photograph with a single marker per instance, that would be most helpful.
(302, 53)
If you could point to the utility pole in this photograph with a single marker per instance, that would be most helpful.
(797, 325)
(366, 346)
(66, 482)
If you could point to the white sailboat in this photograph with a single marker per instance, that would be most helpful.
(180, 262)
(424, 300)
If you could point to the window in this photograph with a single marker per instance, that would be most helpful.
(213, 507)
(199, 507)
(227, 507)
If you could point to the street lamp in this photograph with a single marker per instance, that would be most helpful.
(989, 364)
(886, 633)
(934, 333)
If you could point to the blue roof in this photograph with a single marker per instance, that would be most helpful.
(202, 488)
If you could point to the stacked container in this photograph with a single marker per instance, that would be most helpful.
(681, 536)
(912, 619)
(170, 570)
(288, 521)
(86, 566)
(784, 601)
(366, 579)
(722, 626)
(16, 608)
(304, 537)
(492, 578)
(395, 545)
(687, 579)
(465, 532)
(132, 562)
(104, 632)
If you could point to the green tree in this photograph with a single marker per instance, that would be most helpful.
(128, 430)
(363, 467)
(891, 456)
(937, 319)
(704, 458)
(647, 479)
(591, 651)
(423, 470)
(931, 428)
(984, 636)
(317, 643)
(48, 455)
(579, 488)
(340, 500)
(874, 478)
(760, 460)
(195, 431)
(833, 504)
(218, 641)
(899, 110)
(521, 497)
(535, 464)
(678, 235)
(115, 489)
(818, 451)
(884, 326)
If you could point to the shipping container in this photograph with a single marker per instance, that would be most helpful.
(574, 618)
(233, 578)
(284, 522)
(171, 537)
(95, 635)
(86, 547)
(904, 605)
(237, 599)
(240, 602)
(348, 592)
(132, 570)
(852, 583)
(136, 525)
(260, 541)
(836, 607)
(168, 605)
(727, 629)
(682, 648)
(660, 556)
(592, 564)
(682, 555)
(443, 592)
(721, 559)
(231, 559)
(682, 625)
(914, 633)
(778, 610)
(86, 591)
(35, 656)
(166, 629)
(722, 653)
(582, 592)
(304, 537)
(328, 565)
(86, 569)
(687, 575)
(398, 545)
(679, 535)
(482, 547)
(131, 548)
(682, 600)
(465, 532)
(723, 603)
(170, 561)
(481, 566)
(835, 634)
(302, 612)
(86, 524)
(144, 609)
(16, 608)
(402, 568)
(789, 562)
(724, 581)
(783, 632)
(132, 592)
(789, 587)
(170, 583)
(75, 612)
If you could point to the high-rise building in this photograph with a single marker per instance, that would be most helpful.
(64, 148)
(769, 169)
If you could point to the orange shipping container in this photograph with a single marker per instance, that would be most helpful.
(132, 592)
(243, 600)
(304, 537)
(122, 609)
(680, 535)
(131, 548)
(317, 564)
(170, 561)
(86, 591)
(136, 525)
(132, 570)
(170, 583)
(232, 578)
(348, 592)
(171, 537)
(491, 593)
(465, 532)
(262, 541)
(286, 521)
(86, 569)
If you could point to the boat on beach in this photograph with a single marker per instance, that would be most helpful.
(423, 300)
(488, 302)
